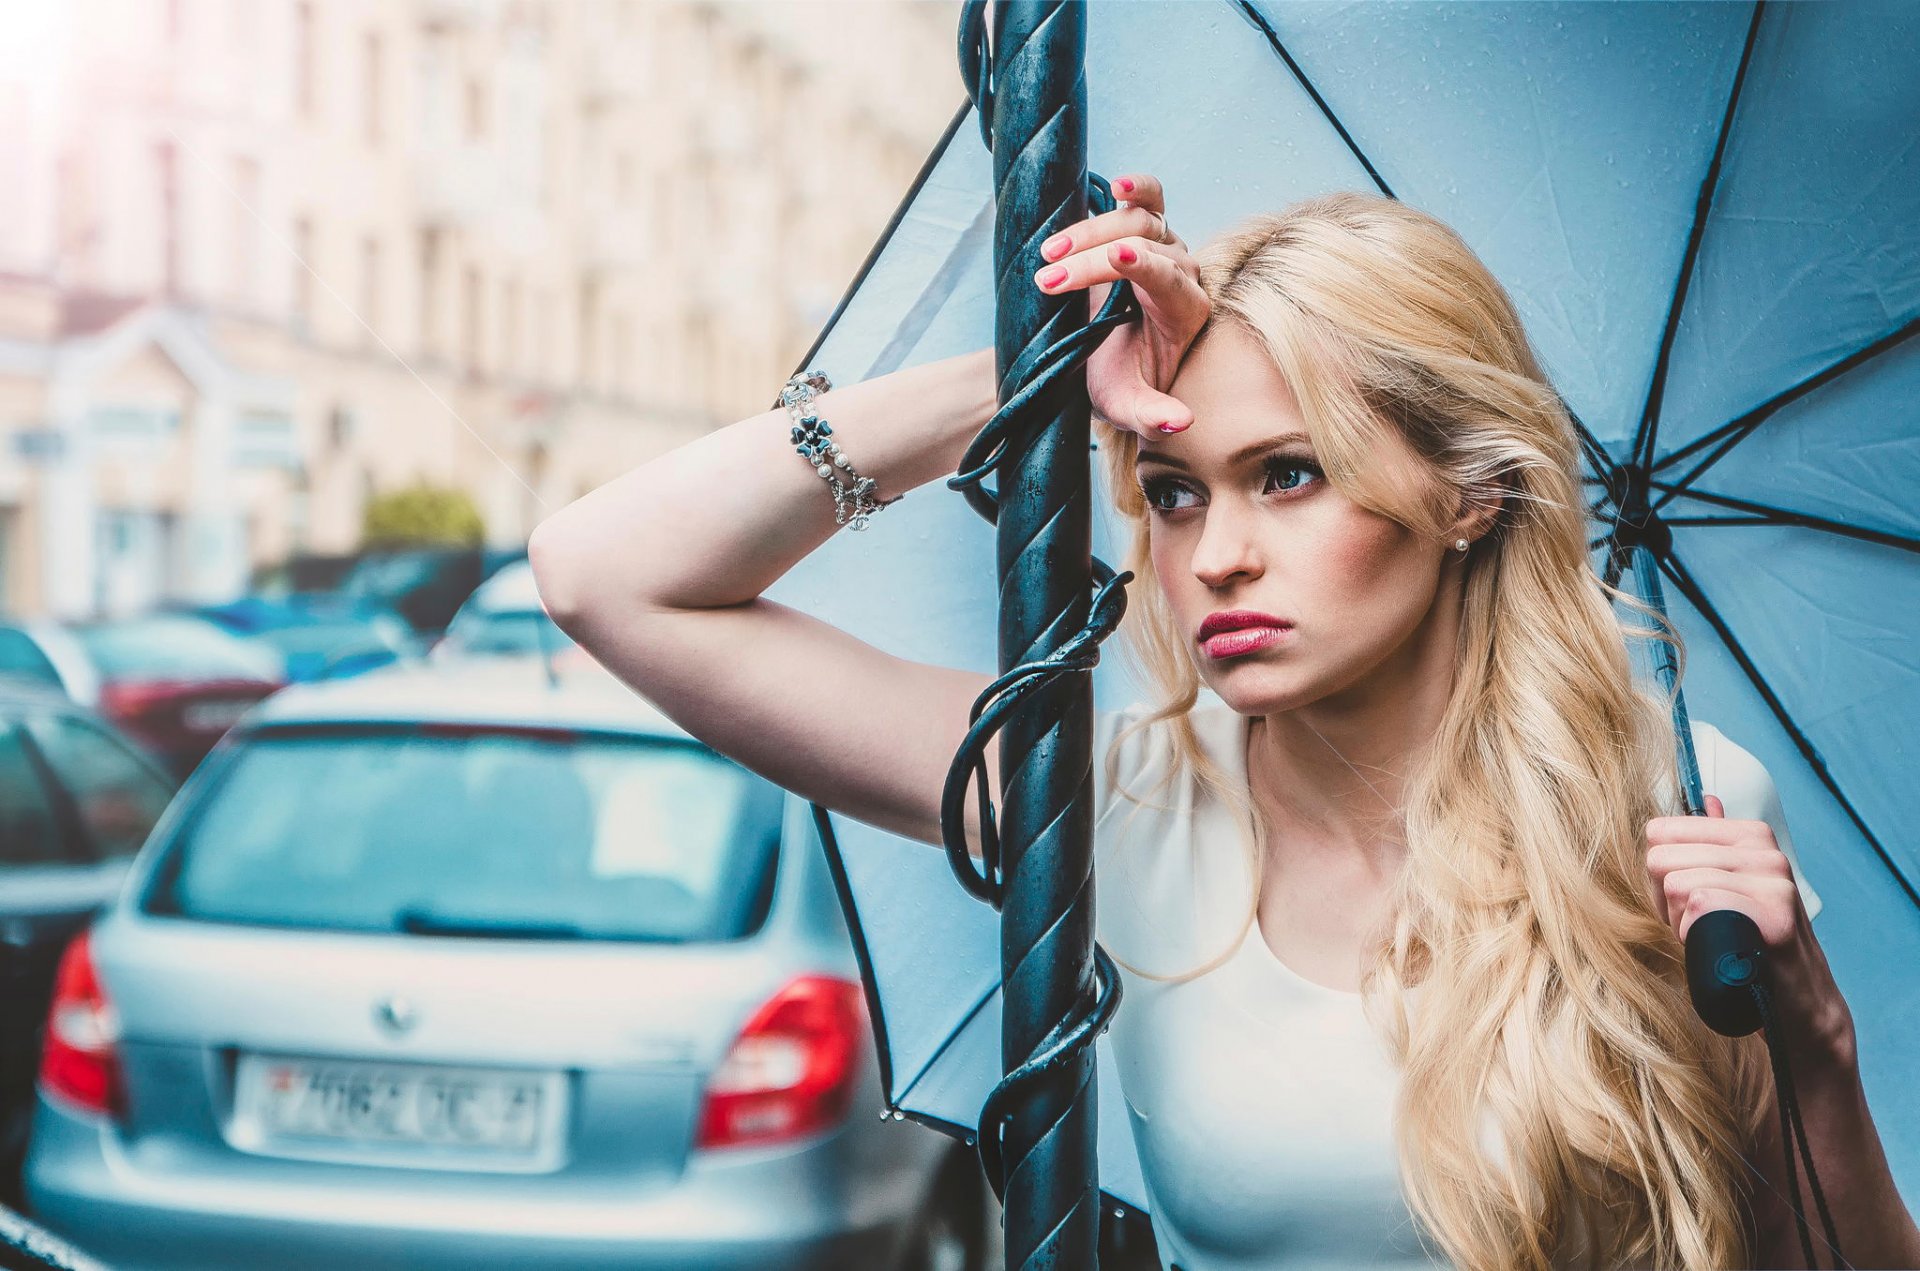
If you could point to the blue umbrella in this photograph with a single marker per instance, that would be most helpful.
(1706, 215)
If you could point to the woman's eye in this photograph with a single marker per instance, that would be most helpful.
(1153, 489)
(1278, 466)
(1282, 475)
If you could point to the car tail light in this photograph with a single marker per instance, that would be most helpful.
(79, 1060)
(123, 700)
(793, 1068)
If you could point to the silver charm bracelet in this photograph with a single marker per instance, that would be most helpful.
(813, 439)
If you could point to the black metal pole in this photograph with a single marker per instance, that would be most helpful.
(1044, 542)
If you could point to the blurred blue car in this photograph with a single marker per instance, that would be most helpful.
(319, 635)
(460, 967)
(504, 618)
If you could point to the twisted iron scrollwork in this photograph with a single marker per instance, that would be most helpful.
(1041, 379)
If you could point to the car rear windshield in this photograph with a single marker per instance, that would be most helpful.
(511, 631)
(164, 646)
(478, 832)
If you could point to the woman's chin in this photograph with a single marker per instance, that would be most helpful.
(1252, 689)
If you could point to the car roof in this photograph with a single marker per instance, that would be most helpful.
(509, 588)
(507, 691)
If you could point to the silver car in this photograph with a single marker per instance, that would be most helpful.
(451, 968)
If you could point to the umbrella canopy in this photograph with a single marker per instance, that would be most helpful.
(1709, 218)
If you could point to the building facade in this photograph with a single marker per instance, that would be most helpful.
(267, 258)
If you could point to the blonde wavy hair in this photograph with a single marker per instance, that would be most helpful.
(1553, 1001)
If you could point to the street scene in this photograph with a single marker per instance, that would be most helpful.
(936, 635)
(352, 914)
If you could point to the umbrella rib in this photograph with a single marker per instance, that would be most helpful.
(863, 956)
(1671, 566)
(1259, 21)
(1671, 521)
(1645, 432)
(1767, 514)
(1732, 433)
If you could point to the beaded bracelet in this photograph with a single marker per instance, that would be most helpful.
(813, 439)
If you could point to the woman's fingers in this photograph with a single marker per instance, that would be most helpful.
(1106, 227)
(1141, 190)
(1141, 260)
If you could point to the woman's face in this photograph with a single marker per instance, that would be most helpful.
(1241, 518)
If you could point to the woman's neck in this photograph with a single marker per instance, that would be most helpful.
(1330, 777)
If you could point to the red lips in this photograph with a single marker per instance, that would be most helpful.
(1235, 619)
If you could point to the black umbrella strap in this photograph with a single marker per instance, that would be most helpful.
(1793, 1134)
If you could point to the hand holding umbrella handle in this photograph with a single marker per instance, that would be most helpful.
(1727, 973)
(1731, 985)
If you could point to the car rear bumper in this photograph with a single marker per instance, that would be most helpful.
(747, 1210)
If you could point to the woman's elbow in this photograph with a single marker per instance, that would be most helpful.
(558, 562)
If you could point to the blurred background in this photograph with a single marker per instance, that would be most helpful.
(283, 278)
(348, 912)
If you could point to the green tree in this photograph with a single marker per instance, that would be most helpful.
(422, 515)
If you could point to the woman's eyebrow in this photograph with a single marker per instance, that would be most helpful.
(1238, 457)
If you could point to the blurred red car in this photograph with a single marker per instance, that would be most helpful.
(172, 682)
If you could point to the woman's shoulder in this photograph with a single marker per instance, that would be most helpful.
(1171, 869)
(1142, 755)
(1122, 753)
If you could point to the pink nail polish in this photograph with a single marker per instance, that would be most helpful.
(1053, 276)
(1125, 253)
(1126, 185)
(1055, 245)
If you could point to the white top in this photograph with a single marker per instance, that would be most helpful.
(1260, 1101)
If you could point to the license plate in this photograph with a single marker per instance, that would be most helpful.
(210, 715)
(286, 1102)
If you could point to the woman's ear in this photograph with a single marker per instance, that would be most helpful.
(1479, 509)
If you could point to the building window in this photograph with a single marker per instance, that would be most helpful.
(167, 172)
(510, 326)
(369, 288)
(246, 230)
(372, 86)
(470, 300)
(623, 377)
(303, 266)
(430, 290)
(543, 336)
(304, 54)
(476, 108)
(588, 320)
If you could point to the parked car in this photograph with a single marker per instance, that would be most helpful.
(77, 799)
(463, 967)
(504, 617)
(303, 573)
(174, 682)
(425, 585)
(318, 635)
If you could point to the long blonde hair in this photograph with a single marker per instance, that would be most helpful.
(1553, 1005)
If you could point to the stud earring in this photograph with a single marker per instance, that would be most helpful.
(1459, 544)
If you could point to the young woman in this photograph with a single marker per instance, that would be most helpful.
(1402, 914)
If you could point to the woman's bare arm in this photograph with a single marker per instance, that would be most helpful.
(659, 574)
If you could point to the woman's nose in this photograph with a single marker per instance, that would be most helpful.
(1228, 545)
